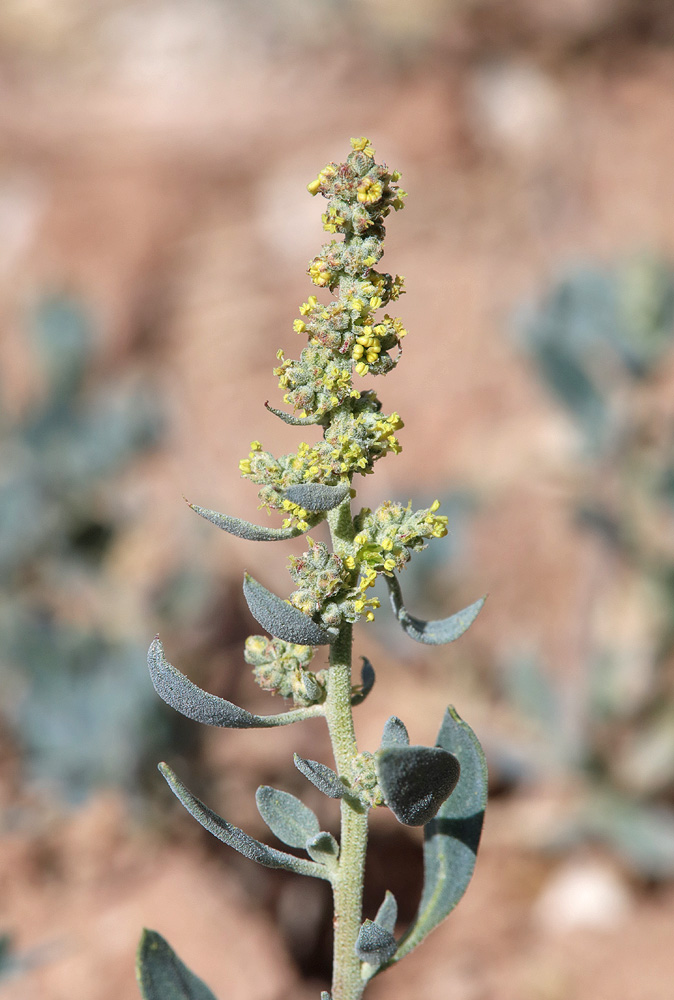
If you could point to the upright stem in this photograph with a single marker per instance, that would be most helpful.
(347, 983)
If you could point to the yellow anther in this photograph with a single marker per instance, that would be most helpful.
(376, 302)
(358, 351)
(244, 466)
(361, 369)
(299, 326)
(313, 187)
(435, 506)
(387, 545)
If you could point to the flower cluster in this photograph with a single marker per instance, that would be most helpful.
(281, 667)
(327, 587)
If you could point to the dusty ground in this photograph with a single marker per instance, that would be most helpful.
(156, 164)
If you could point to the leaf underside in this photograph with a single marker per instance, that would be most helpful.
(244, 529)
(415, 780)
(432, 633)
(236, 838)
(185, 697)
(322, 776)
(287, 818)
(280, 619)
(162, 975)
(317, 497)
(451, 839)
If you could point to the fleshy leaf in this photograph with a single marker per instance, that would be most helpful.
(374, 943)
(236, 838)
(387, 914)
(290, 418)
(322, 776)
(367, 678)
(287, 818)
(280, 619)
(244, 529)
(415, 780)
(323, 848)
(162, 976)
(181, 693)
(433, 633)
(395, 733)
(317, 497)
(451, 839)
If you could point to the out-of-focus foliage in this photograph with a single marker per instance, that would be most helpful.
(74, 693)
(601, 340)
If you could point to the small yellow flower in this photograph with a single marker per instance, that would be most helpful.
(244, 466)
(362, 145)
(299, 326)
(369, 191)
(362, 369)
(375, 302)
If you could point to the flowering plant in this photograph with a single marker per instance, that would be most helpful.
(442, 788)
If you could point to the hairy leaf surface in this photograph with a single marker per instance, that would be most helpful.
(374, 943)
(290, 418)
(280, 619)
(395, 733)
(433, 633)
(323, 848)
(415, 780)
(287, 818)
(322, 776)
(162, 975)
(387, 914)
(317, 497)
(244, 529)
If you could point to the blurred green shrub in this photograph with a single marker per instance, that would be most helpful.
(601, 340)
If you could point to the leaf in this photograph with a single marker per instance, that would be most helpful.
(322, 776)
(323, 848)
(367, 678)
(180, 693)
(290, 418)
(316, 496)
(325, 996)
(451, 839)
(280, 619)
(387, 914)
(416, 780)
(288, 818)
(244, 529)
(374, 943)
(433, 633)
(395, 733)
(236, 838)
(162, 976)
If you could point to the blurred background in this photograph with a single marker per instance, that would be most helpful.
(155, 231)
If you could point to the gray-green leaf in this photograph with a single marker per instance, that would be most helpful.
(433, 633)
(322, 776)
(236, 838)
(416, 780)
(280, 619)
(317, 497)
(395, 733)
(290, 418)
(323, 848)
(288, 818)
(451, 839)
(374, 943)
(387, 914)
(180, 693)
(162, 976)
(367, 678)
(244, 529)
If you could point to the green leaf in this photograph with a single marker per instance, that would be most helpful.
(162, 976)
(288, 818)
(367, 678)
(374, 943)
(387, 914)
(323, 848)
(290, 418)
(280, 619)
(316, 496)
(451, 839)
(236, 838)
(322, 776)
(395, 733)
(433, 633)
(244, 529)
(180, 693)
(415, 780)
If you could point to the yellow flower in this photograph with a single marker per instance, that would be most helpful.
(369, 191)
(299, 326)
(362, 145)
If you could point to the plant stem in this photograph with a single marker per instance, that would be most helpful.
(347, 983)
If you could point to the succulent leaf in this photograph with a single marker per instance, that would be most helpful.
(367, 678)
(317, 497)
(395, 733)
(387, 914)
(236, 838)
(287, 818)
(451, 839)
(322, 776)
(280, 619)
(181, 693)
(162, 976)
(244, 529)
(433, 633)
(323, 848)
(374, 943)
(416, 780)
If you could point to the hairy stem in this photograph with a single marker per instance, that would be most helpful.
(347, 983)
